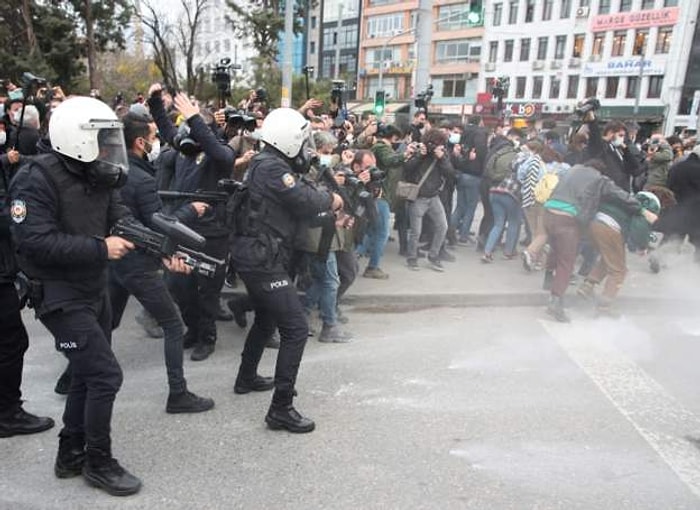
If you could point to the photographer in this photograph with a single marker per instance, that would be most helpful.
(431, 157)
(659, 156)
(203, 160)
(610, 147)
(245, 141)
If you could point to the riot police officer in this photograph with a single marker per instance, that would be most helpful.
(265, 220)
(63, 206)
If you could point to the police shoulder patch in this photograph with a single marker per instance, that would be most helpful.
(200, 158)
(18, 210)
(288, 180)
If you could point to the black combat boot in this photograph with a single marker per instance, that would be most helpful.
(71, 455)
(16, 421)
(556, 309)
(282, 415)
(257, 383)
(103, 471)
(63, 384)
(206, 344)
(223, 315)
(187, 402)
(235, 304)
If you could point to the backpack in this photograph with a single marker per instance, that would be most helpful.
(544, 188)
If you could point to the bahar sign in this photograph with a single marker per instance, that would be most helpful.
(624, 67)
(640, 19)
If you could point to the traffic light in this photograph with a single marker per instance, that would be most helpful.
(379, 98)
(475, 16)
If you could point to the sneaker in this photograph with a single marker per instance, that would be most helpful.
(527, 261)
(486, 258)
(376, 273)
(413, 264)
(435, 264)
(556, 309)
(510, 256)
(202, 351)
(17, 422)
(342, 318)
(446, 256)
(334, 334)
(187, 402)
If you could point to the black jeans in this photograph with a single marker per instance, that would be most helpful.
(347, 270)
(487, 221)
(198, 296)
(83, 336)
(150, 290)
(13, 344)
(277, 305)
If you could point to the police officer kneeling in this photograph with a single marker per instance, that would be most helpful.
(64, 204)
(265, 220)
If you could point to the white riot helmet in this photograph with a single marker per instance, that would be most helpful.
(286, 130)
(87, 130)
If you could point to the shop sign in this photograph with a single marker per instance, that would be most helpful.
(624, 67)
(640, 19)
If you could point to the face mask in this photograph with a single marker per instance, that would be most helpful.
(618, 141)
(3, 137)
(153, 154)
(454, 138)
(516, 143)
(16, 117)
(420, 125)
(325, 160)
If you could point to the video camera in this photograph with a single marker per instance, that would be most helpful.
(338, 99)
(587, 105)
(237, 119)
(424, 97)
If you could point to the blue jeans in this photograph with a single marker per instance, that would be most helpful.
(377, 235)
(505, 210)
(323, 291)
(467, 200)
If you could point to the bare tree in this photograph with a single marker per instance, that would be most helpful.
(187, 35)
(159, 32)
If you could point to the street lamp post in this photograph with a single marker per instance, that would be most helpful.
(384, 46)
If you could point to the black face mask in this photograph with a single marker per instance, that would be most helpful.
(102, 174)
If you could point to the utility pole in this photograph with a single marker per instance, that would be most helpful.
(337, 42)
(287, 67)
(424, 36)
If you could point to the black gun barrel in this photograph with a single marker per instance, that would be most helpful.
(202, 196)
(177, 231)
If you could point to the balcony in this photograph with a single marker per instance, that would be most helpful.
(372, 68)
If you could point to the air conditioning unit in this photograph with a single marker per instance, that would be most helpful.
(547, 108)
(490, 66)
(595, 58)
(555, 64)
(575, 62)
(537, 64)
(583, 12)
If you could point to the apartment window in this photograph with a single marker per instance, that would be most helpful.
(670, 3)
(663, 39)
(497, 14)
(625, 5)
(554, 87)
(313, 22)
(493, 51)
(640, 42)
(524, 50)
(604, 7)
(452, 85)
(632, 86)
(537, 87)
(559, 45)
(520, 87)
(584, 3)
(542, 48)
(572, 87)
(457, 50)
(598, 42)
(530, 11)
(385, 26)
(547, 10)
(647, 4)
(508, 54)
(591, 87)
(619, 39)
(312, 47)
(655, 84)
(455, 16)
(565, 11)
(374, 58)
(577, 51)
(513, 13)
(611, 85)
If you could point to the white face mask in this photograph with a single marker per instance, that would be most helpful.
(454, 138)
(325, 160)
(3, 137)
(155, 151)
(516, 143)
(618, 141)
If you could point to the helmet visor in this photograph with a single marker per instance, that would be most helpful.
(112, 148)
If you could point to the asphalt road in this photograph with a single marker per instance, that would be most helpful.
(464, 408)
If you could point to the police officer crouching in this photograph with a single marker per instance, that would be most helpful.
(64, 204)
(265, 220)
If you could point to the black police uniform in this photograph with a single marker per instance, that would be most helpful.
(13, 335)
(197, 296)
(262, 244)
(60, 220)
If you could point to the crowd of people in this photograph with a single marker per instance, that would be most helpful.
(292, 204)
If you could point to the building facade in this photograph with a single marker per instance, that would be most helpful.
(630, 54)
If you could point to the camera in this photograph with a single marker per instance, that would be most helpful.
(423, 98)
(587, 105)
(236, 119)
(260, 96)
